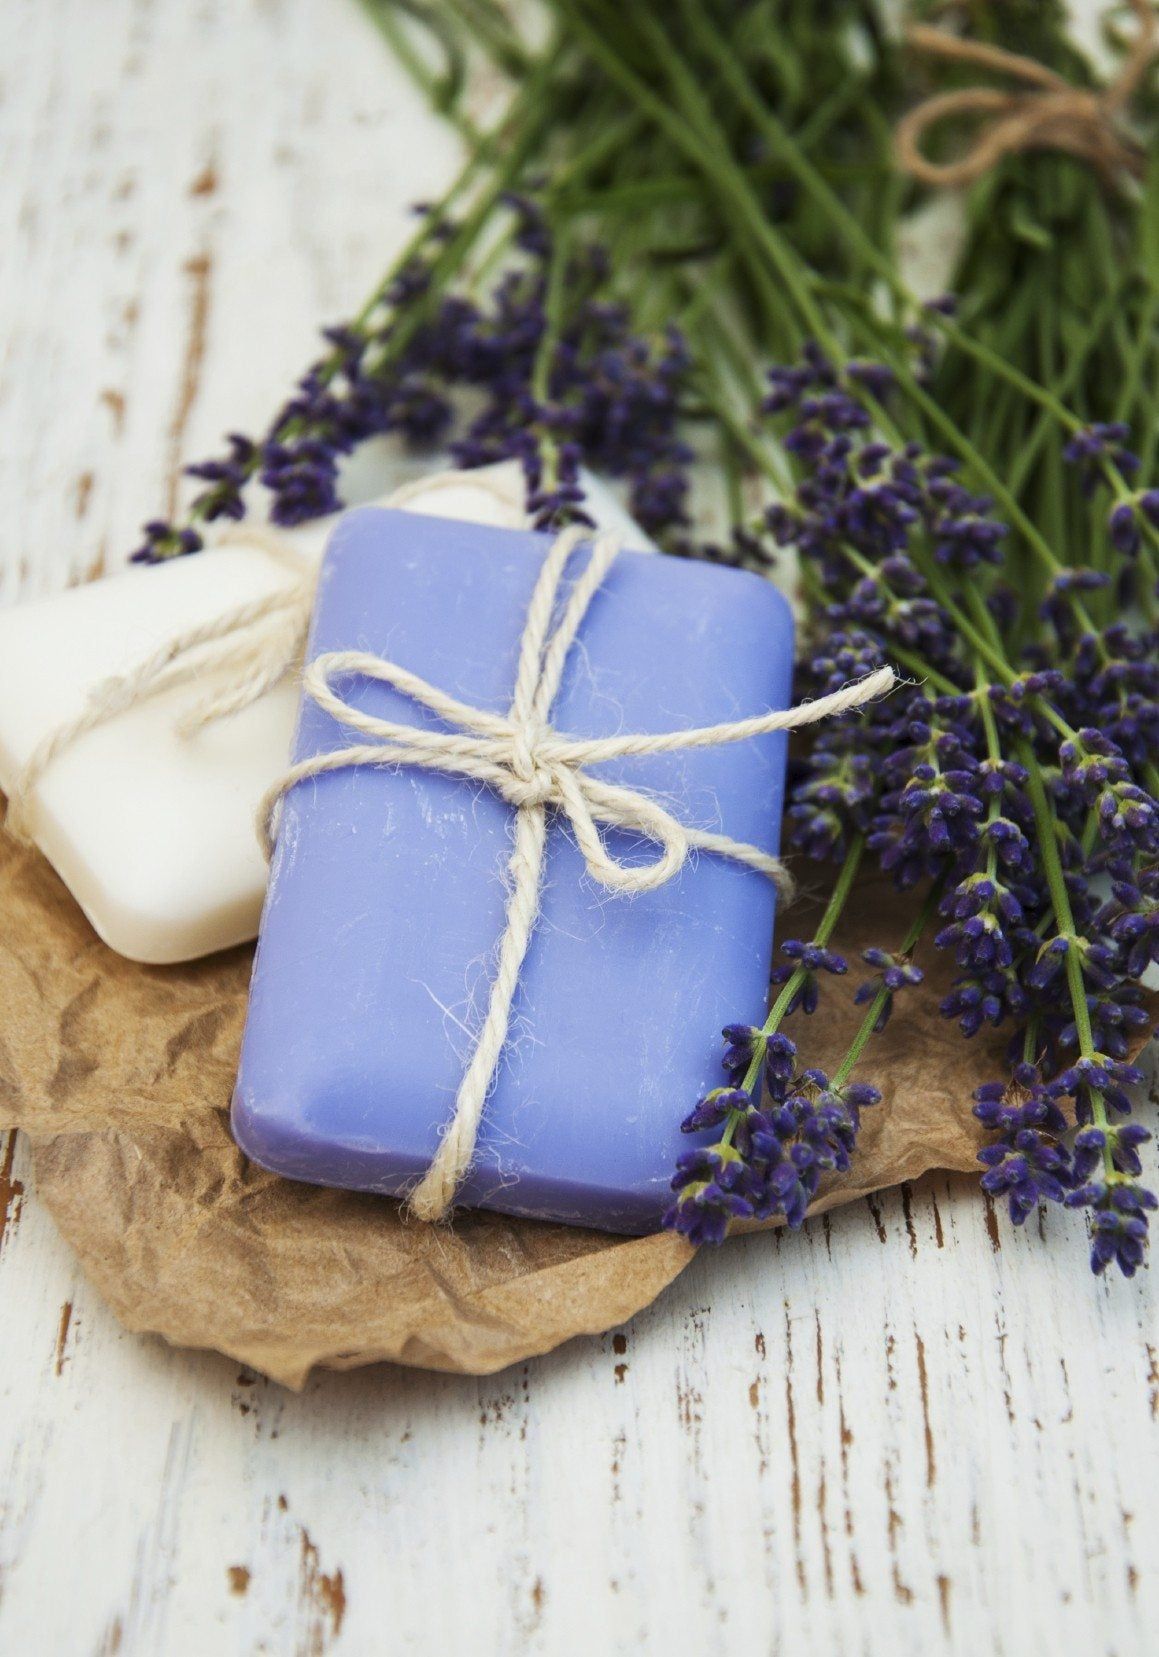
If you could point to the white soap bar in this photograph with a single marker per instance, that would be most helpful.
(152, 830)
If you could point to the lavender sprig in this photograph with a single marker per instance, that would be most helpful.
(785, 1126)
(769, 1157)
(1015, 784)
(557, 376)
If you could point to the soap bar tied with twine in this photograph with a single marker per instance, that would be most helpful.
(534, 767)
(254, 646)
(1048, 114)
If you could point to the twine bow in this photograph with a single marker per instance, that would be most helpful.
(1051, 115)
(533, 767)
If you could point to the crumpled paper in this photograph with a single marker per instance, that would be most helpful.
(121, 1076)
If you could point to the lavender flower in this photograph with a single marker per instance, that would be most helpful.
(1027, 1164)
(940, 781)
(593, 394)
(894, 973)
(808, 961)
(1119, 1212)
(770, 1158)
(1098, 446)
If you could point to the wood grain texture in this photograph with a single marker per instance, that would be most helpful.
(908, 1429)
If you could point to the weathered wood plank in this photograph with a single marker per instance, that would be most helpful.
(907, 1429)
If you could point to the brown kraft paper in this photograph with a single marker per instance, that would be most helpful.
(121, 1076)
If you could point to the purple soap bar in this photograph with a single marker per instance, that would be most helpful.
(387, 893)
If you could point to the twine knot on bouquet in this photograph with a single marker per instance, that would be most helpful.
(1047, 113)
(534, 768)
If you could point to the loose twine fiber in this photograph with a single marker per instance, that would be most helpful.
(518, 755)
(1051, 115)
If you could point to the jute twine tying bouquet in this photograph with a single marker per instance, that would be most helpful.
(1049, 114)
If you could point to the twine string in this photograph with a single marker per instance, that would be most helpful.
(249, 648)
(255, 644)
(533, 767)
(1047, 114)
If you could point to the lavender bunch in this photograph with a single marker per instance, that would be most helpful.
(553, 386)
(1017, 788)
(1016, 777)
(579, 354)
(667, 205)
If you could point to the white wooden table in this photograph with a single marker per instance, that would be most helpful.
(907, 1429)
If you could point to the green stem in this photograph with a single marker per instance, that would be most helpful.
(1064, 922)
(876, 1007)
(788, 151)
(707, 153)
(441, 91)
(527, 128)
(838, 898)
(847, 226)
(696, 136)
(553, 306)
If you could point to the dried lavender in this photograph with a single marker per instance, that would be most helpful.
(1013, 782)
(1013, 785)
(773, 1147)
(581, 389)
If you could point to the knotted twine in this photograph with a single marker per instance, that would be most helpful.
(256, 644)
(518, 755)
(250, 648)
(533, 768)
(1054, 115)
